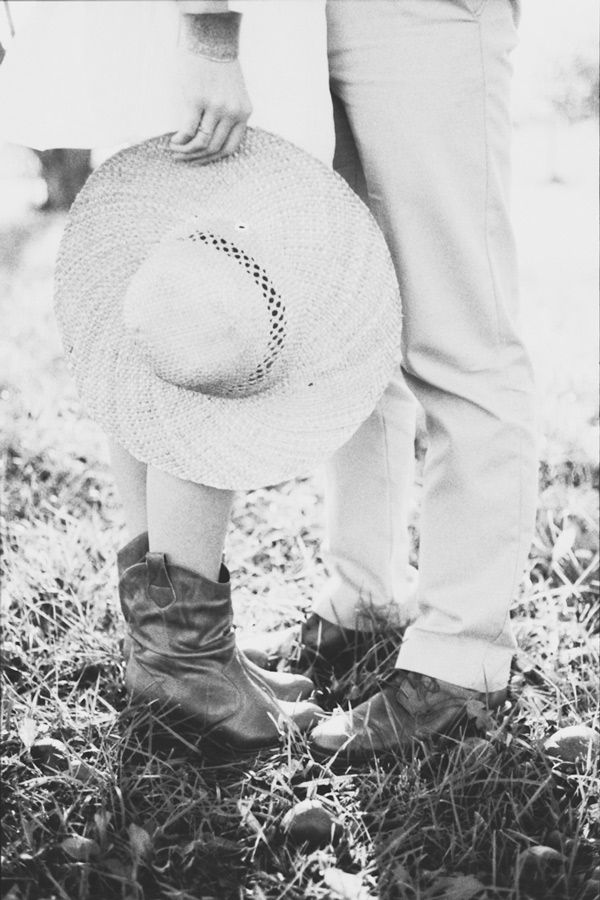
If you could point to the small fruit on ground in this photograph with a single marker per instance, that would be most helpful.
(310, 822)
(572, 744)
(50, 755)
(539, 866)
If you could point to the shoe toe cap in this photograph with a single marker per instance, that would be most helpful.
(332, 734)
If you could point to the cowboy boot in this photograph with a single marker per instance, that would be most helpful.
(283, 685)
(184, 660)
(132, 554)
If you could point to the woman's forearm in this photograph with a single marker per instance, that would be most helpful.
(215, 96)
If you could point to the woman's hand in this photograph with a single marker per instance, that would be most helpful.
(218, 107)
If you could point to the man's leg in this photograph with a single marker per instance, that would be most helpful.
(371, 585)
(425, 84)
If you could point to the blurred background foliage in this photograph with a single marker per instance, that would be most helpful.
(556, 83)
(556, 63)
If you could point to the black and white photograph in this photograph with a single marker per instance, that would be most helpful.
(299, 429)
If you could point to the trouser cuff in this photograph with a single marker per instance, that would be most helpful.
(457, 659)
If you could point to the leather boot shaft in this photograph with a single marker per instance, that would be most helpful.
(132, 554)
(184, 658)
(197, 616)
(282, 685)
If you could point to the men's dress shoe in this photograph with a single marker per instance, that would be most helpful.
(318, 647)
(330, 649)
(412, 707)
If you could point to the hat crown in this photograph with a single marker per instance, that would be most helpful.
(205, 314)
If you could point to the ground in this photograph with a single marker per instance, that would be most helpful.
(91, 811)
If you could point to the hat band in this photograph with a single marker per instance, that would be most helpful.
(252, 384)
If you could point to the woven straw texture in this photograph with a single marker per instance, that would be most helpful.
(326, 277)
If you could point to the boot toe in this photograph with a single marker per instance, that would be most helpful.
(283, 685)
(333, 734)
(256, 656)
(302, 714)
(290, 687)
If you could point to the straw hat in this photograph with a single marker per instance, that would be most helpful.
(232, 324)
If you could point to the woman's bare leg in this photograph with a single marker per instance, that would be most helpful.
(130, 479)
(188, 522)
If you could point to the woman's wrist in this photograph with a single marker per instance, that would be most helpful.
(212, 35)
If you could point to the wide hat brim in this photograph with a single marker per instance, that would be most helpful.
(333, 270)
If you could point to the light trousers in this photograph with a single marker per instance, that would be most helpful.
(422, 92)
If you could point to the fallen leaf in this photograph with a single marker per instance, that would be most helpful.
(476, 751)
(27, 731)
(80, 848)
(457, 887)
(117, 868)
(13, 894)
(479, 712)
(140, 840)
(346, 886)
(102, 821)
(564, 543)
(248, 818)
(81, 771)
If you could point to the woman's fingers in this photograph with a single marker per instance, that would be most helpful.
(219, 136)
(202, 138)
(218, 108)
(225, 140)
(236, 135)
(187, 131)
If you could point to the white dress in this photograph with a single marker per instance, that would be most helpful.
(101, 74)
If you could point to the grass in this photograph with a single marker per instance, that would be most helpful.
(89, 810)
